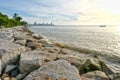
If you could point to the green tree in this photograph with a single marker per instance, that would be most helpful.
(11, 22)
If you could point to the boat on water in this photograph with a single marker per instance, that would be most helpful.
(102, 25)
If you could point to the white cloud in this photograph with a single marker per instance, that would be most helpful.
(70, 11)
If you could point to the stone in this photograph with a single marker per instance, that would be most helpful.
(21, 36)
(21, 76)
(116, 76)
(5, 77)
(13, 78)
(9, 53)
(52, 49)
(0, 67)
(32, 60)
(45, 43)
(4, 34)
(65, 51)
(34, 45)
(14, 73)
(90, 65)
(106, 69)
(55, 70)
(37, 36)
(21, 42)
(73, 60)
(28, 49)
(9, 68)
(95, 75)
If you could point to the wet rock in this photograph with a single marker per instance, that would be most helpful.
(34, 45)
(21, 42)
(55, 70)
(36, 36)
(9, 68)
(95, 75)
(32, 60)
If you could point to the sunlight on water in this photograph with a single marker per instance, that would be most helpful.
(104, 41)
(93, 38)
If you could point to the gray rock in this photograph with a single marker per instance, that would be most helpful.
(4, 34)
(55, 70)
(37, 36)
(95, 75)
(21, 42)
(73, 60)
(65, 51)
(52, 49)
(34, 45)
(14, 73)
(116, 76)
(9, 53)
(10, 68)
(90, 65)
(45, 43)
(21, 76)
(107, 70)
(32, 60)
(0, 67)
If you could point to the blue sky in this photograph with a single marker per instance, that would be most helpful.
(64, 11)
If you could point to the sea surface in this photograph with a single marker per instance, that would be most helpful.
(104, 41)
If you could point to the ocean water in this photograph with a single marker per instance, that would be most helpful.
(104, 41)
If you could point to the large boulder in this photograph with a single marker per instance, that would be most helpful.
(9, 53)
(55, 70)
(32, 60)
(95, 75)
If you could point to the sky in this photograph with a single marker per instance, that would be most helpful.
(64, 12)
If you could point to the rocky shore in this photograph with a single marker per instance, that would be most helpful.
(25, 55)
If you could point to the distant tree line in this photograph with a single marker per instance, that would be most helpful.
(7, 22)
